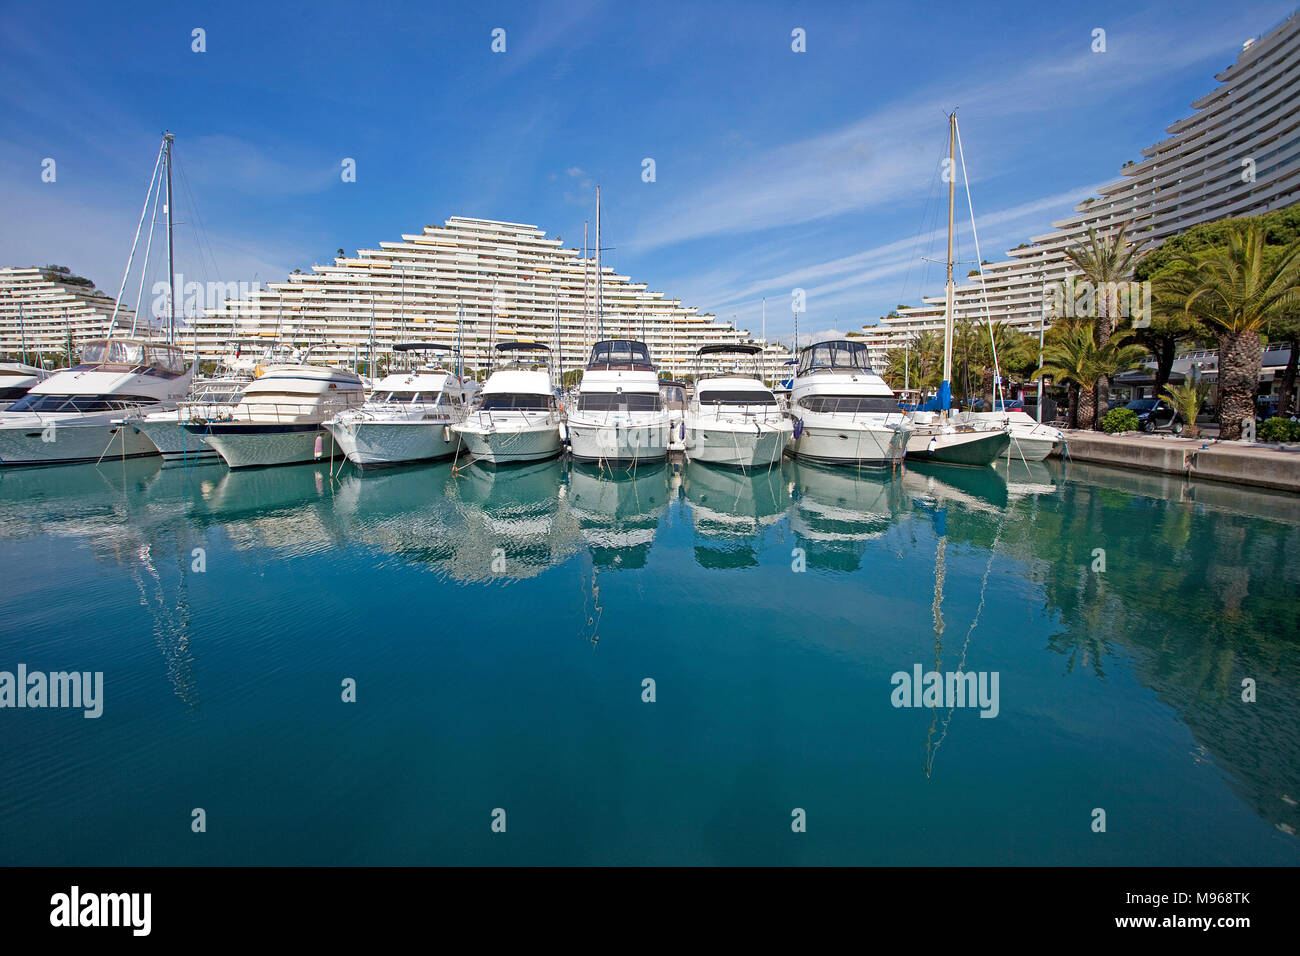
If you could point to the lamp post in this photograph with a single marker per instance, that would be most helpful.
(22, 330)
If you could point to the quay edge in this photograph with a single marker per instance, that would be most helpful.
(1241, 463)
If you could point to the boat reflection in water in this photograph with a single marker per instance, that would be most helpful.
(975, 489)
(731, 509)
(134, 515)
(618, 511)
(511, 523)
(837, 511)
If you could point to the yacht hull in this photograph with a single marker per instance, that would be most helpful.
(1031, 449)
(174, 443)
(618, 443)
(33, 441)
(977, 449)
(736, 445)
(254, 446)
(847, 444)
(504, 446)
(372, 444)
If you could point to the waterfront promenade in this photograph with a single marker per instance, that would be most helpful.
(1243, 463)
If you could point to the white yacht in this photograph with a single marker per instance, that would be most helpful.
(17, 379)
(279, 419)
(844, 412)
(734, 418)
(75, 414)
(1030, 440)
(517, 418)
(210, 399)
(620, 416)
(407, 417)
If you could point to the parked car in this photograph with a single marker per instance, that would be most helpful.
(1155, 414)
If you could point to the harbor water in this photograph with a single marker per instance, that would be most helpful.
(551, 664)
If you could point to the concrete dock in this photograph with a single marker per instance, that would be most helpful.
(1241, 463)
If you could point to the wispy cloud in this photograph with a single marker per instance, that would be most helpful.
(889, 155)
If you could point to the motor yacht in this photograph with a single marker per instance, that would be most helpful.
(17, 379)
(734, 418)
(517, 417)
(408, 416)
(76, 414)
(279, 419)
(620, 417)
(844, 413)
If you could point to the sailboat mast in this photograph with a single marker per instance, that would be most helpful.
(945, 388)
(171, 263)
(600, 280)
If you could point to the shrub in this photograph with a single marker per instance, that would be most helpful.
(1119, 420)
(1279, 430)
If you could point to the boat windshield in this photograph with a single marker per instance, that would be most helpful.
(130, 354)
(620, 354)
(79, 403)
(411, 398)
(839, 355)
(849, 404)
(717, 396)
(514, 401)
(614, 401)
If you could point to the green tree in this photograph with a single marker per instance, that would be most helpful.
(1239, 291)
(1105, 262)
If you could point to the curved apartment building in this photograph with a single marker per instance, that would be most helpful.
(1237, 155)
(503, 280)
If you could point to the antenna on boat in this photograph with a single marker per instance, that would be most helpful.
(945, 386)
(168, 139)
(600, 279)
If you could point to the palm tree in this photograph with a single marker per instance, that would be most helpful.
(1066, 353)
(1105, 262)
(1073, 356)
(1238, 293)
(1187, 400)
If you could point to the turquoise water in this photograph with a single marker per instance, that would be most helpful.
(499, 627)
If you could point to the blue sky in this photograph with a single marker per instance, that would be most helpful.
(774, 169)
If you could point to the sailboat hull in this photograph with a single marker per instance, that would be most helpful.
(977, 449)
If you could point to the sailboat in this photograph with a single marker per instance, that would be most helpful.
(81, 414)
(935, 436)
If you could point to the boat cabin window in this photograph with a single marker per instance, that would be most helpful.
(79, 403)
(620, 353)
(404, 398)
(717, 396)
(615, 401)
(849, 404)
(839, 355)
(515, 401)
(132, 354)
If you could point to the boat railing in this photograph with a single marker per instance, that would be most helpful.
(277, 412)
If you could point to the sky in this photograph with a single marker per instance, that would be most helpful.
(773, 169)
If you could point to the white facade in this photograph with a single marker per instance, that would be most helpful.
(1237, 155)
(41, 308)
(508, 280)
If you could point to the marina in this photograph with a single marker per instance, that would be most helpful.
(606, 435)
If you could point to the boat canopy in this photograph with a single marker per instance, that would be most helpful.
(424, 347)
(133, 353)
(743, 348)
(522, 347)
(621, 354)
(838, 355)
